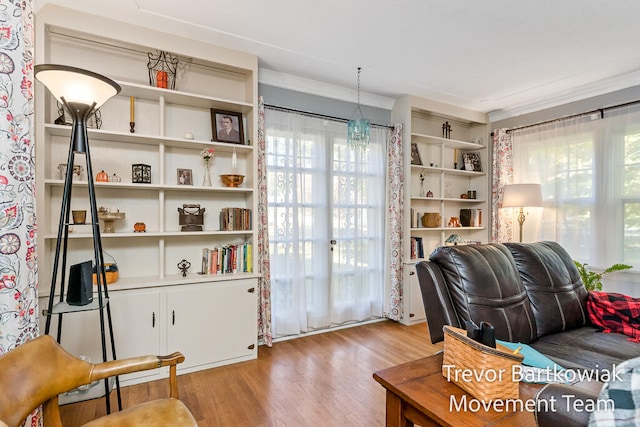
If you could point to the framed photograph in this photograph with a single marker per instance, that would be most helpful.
(184, 177)
(227, 126)
(415, 154)
(471, 161)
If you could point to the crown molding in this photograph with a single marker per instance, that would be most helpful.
(318, 88)
(602, 87)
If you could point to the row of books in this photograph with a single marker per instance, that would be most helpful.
(417, 250)
(235, 219)
(225, 259)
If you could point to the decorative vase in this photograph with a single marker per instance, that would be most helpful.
(206, 182)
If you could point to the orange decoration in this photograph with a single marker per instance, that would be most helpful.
(102, 177)
(162, 79)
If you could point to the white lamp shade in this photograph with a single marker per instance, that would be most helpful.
(522, 195)
(76, 84)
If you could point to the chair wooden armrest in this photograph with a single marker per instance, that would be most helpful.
(38, 371)
(112, 368)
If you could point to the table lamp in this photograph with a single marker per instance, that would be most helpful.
(521, 196)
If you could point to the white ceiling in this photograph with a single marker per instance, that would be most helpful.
(501, 56)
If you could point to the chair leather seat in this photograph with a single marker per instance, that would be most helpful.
(161, 412)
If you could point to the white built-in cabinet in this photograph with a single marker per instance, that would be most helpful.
(155, 310)
(438, 183)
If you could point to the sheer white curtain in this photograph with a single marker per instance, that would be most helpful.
(589, 168)
(326, 222)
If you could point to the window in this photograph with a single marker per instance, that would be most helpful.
(589, 168)
(326, 223)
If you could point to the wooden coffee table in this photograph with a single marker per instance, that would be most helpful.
(418, 393)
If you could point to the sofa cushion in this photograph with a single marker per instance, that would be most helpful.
(552, 281)
(586, 348)
(485, 286)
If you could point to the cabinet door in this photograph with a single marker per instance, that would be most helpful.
(413, 306)
(136, 325)
(212, 323)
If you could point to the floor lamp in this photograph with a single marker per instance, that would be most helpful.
(522, 196)
(80, 92)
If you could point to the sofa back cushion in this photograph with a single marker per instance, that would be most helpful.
(485, 286)
(557, 295)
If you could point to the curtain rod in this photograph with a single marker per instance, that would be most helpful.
(598, 110)
(317, 115)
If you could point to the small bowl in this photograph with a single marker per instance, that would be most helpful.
(231, 180)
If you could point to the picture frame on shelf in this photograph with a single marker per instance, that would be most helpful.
(227, 126)
(415, 155)
(471, 160)
(184, 177)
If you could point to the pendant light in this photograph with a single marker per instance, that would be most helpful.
(358, 129)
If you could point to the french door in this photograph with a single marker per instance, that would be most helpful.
(326, 223)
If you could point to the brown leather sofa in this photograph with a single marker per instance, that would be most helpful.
(531, 293)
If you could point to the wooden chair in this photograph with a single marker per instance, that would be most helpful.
(36, 372)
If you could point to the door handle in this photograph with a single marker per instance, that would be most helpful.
(332, 242)
(153, 319)
(173, 317)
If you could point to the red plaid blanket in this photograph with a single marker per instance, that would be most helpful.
(615, 313)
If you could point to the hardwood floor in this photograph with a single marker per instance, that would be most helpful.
(319, 380)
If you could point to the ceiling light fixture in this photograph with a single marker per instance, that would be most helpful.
(358, 130)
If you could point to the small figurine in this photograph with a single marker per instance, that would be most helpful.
(184, 265)
(446, 130)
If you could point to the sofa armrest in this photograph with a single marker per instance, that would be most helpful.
(438, 306)
(561, 412)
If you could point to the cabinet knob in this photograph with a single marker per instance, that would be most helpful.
(411, 273)
(251, 347)
(251, 290)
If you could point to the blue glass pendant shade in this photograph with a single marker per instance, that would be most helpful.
(359, 133)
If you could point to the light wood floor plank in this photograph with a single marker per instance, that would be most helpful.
(319, 380)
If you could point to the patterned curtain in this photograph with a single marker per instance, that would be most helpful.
(502, 169)
(395, 220)
(18, 267)
(264, 282)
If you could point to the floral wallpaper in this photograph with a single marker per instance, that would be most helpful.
(18, 267)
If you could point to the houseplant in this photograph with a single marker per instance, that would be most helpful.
(592, 280)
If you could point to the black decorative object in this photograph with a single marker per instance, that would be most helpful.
(184, 265)
(80, 291)
(191, 217)
(141, 174)
(162, 69)
(65, 118)
(446, 130)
